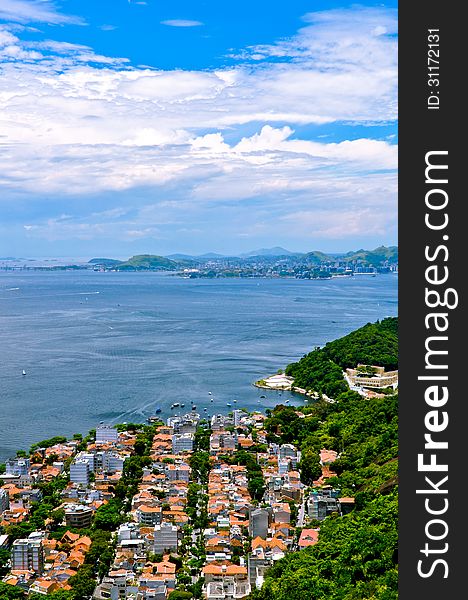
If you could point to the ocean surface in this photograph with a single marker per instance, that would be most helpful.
(113, 347)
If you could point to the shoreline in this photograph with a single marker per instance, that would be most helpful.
(281, 382)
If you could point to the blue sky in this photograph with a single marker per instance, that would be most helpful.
(180, 126)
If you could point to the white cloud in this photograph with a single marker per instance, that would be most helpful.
(181, 23)
(40, 11)
(74, 123)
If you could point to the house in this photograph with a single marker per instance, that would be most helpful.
(308, 537)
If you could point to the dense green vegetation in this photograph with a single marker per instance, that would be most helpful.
(58, 439)
(316, 372)
(373, 344)
(355, 559)
(321, 370)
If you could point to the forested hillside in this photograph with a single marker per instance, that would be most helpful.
(321, 370)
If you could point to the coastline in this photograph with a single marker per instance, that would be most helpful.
(280, 382)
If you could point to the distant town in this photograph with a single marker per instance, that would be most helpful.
(273, 262)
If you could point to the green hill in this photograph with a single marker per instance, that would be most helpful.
(373, 257)
(321, 370)
(373, 344)
(316, 257)
(105, 262)
(149, 262)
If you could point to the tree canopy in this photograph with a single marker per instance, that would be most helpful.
(322, 369)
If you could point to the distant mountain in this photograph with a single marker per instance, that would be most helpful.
(105, 262)
(175, 262)
(373, 257)
(211, 255)
(276, 251)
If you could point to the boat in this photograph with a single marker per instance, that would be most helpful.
(228, 404)
(205, 408)
(158, 410)
(24, 372)
(262, 396)
(286, 401)
(209, 393)
(234, 401)
(182, 405)
(175, 405)
(211, 400)
(194, 407)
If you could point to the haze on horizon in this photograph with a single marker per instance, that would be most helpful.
(171, 128)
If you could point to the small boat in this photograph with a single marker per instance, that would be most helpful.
(211, 400)
(182, 405)
(158, 410)
(262, 396)
(234, 401)
(205, 408)
(175, 405)
(228, 404)
(209, 393)
(194, 407)
(24, 372)
(286, 401)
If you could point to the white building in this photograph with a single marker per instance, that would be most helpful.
(149, 515)
(79, 472)
(182, 443)
(112, 462)
(237, 414)
(283, 466)
(287, 451)
(106, 434)
(166, 538)
(27, 555)
(78, 515)
(17, 466)
(90, 457)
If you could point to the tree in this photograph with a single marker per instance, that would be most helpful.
(83, 583)
(180, 595)
(4, 559)
(57, 516)
(10, 592)
(109, 516)
(309, 466)
(140, 446)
